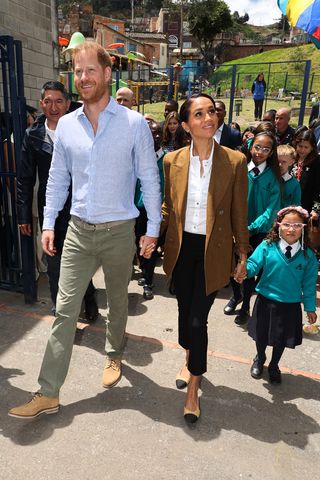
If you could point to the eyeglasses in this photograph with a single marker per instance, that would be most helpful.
(259, 148)
(294, 226)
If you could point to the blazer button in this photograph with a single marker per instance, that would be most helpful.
(219, 245)
(220, 212)
(219, 229)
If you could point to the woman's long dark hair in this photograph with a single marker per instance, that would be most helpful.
(307, 135)
(272, 160)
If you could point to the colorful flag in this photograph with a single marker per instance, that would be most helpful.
(303, 14)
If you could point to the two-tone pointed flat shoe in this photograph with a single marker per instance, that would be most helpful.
(190, 416)
(182, 379)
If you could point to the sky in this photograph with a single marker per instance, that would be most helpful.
(261, 12)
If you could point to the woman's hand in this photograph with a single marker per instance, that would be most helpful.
(312, 317)
(240, 272)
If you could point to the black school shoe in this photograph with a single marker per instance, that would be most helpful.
(256, 369)
(242, 318)
(231, 305)
(274, 375)
(147, 292)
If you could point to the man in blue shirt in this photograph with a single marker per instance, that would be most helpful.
(102, 148)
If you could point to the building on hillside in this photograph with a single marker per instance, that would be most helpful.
(169, 23)
(160, 43)
(106, 36)
(39, 36)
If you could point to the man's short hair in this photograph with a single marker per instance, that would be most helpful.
(54, 85)
(221, 103)
(103, 56)
(173, 103)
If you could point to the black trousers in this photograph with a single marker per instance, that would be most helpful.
(248, 284)
(258, 104)
(193, 303)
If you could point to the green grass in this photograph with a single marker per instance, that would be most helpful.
(275, 79)
(246, 116)
(277, 76)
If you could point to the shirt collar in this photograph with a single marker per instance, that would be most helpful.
(260, 167)
(220, 128)
(296, 246)
(110, 108)
(159, 153)
(286, 176)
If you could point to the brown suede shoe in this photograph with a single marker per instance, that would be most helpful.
(111, 373)
(38, 405)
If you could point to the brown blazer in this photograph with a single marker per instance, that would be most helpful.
(226, 212)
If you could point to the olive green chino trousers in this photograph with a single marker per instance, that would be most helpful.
(84, 251)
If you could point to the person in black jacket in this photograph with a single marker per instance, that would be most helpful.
(315, 112)
(225, 135)
(37, 149)
(307, 170)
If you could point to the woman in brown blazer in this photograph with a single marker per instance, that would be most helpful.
(204, 213)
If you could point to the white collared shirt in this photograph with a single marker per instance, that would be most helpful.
(159, 153)
(49, 132)
(295, 247)
(260, 167)
(197, 198)
(217, 135)
(286, 176)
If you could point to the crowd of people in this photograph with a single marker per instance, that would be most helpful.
(222, 205)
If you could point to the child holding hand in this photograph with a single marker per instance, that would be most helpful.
(289, 276)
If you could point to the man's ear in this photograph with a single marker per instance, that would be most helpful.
(108, 74)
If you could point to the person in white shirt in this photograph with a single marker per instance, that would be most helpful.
(205, 207)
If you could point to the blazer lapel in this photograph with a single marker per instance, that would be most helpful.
(180, 183)
(220, 180)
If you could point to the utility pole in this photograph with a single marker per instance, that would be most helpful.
(132, 15)
(181, 31)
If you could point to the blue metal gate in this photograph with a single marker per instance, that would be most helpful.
(17, 265)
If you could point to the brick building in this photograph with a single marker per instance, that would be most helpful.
(35, 24)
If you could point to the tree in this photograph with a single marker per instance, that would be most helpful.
(207, 18)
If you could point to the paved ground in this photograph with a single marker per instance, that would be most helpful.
(248, 429)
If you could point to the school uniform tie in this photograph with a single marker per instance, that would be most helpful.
(288, 252)
(256, 171)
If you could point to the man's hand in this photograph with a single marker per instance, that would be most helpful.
(47, 241)
(147, 245)
(25, 229)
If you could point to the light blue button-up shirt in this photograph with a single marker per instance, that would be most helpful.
(104, 168)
